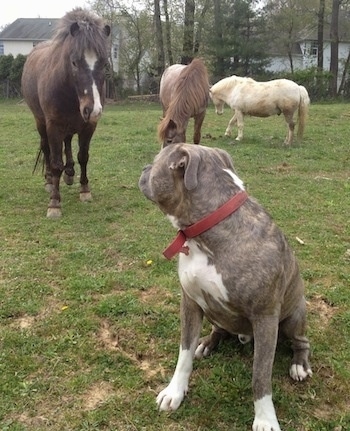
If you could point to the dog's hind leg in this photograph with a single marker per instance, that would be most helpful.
(209, 343)
(191, 324)
(294, 327)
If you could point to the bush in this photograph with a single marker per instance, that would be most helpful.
(316, 82)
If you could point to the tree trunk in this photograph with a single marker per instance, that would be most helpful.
(159, 39)
(320, 18)
(168, 33)
(345, 74)
(187, 50)
(219, 60)
(334, 48)
(198, 34)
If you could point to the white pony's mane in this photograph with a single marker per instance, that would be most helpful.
(226, 83)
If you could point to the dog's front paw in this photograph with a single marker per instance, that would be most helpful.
(261, 425)
(170, 398)
(299, 372)
(265, 416)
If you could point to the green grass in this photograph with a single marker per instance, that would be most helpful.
(89, 308)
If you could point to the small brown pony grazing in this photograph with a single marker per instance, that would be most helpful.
(63, 85)
(184, 93)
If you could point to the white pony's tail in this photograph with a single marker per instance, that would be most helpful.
(303, 110)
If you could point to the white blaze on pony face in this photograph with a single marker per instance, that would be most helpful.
(91, 60)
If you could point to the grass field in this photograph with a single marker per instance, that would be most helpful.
(89, 321)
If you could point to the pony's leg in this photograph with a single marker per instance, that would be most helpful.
(44, 147)
(233, 121)
(69, 172)
(56, 165)
(291, 125)
(198, 121)
(240, 125)
(83, 158)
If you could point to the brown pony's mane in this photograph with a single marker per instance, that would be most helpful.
(190, 96)
(89, 32)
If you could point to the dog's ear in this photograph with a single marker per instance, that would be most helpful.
(189, 163)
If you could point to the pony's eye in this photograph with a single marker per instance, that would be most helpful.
(74, 63)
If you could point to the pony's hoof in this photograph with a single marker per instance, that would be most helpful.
(54, 213)
(69, 180)
(85, 196)
(48, 187)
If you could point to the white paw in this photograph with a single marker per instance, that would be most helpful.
(170, 398)
(265, 415)
(298, 373)
(244, 339)
(227, 133)
(263, 425)
(201, 352)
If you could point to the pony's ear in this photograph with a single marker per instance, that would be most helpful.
(74, 29)
(171, 127)
(190, 164)
(107, 30)
(169, 132)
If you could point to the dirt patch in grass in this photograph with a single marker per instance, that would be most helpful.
(319, 307)
(148, 296)
(114, 341)
(97, 395)
(27, 321)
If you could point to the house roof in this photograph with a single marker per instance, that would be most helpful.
(310, 32)
(35, 29)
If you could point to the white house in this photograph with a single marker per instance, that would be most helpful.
(305, 50)
(23, 34)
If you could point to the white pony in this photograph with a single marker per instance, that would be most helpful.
(261, 99)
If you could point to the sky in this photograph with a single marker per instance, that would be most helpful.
(13, 9)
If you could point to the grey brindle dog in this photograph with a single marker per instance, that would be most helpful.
(239, 273)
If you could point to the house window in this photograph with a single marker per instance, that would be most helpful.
(314, 48)
(2, 49)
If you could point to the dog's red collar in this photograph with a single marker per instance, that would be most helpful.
(177, 246)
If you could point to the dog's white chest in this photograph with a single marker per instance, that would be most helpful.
(199, 279)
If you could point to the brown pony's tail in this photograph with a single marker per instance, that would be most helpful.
(39, 159)
(303, 110)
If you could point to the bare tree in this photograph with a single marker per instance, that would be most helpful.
(219, 71)
(188, 38)
(334, 36)
(168, 33)
(320, 26)
(159, 39)
(200, 24)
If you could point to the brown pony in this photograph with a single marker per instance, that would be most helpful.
(184, 93)
(63, 85)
